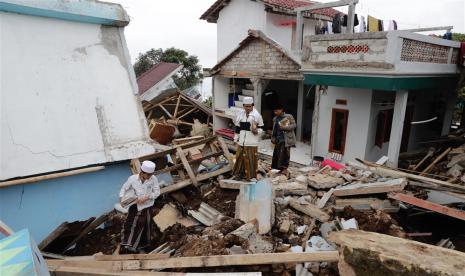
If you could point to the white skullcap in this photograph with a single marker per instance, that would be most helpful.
(247, 100)
(147, 167)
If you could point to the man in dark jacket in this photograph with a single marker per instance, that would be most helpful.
(283, 138)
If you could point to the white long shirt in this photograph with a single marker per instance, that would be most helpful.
(134, 187)
(246, 137)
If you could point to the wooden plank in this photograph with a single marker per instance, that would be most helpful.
(173, 149)
(202, 261)
(324, 199)
(394, 173)
(187, 182)
(131, 257)
(166, 111)
(439, 158)
(372, 188)
(53, 235)
(49, 176)
(428, 155)
(225, 150)
(309, 209)
(186, 165)
(177, 106)
(96, 222)
(58, 270)
(180, 166)
(429, 205)
(187, 113)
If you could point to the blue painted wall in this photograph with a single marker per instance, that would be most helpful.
(42, 206)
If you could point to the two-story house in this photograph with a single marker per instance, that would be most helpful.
(354, 95)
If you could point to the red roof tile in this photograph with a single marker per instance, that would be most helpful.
(287, 6)
(154, 75)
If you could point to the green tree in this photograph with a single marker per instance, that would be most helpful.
(188, 76)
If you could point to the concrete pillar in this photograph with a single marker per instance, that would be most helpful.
(300, 110)
(450, 106)
(397, 127)
(257, 88)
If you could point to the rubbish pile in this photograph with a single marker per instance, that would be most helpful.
(207, 221)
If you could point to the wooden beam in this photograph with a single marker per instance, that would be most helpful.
(186, 165)
(309, 209)
(173, 149)
(49, 176)
(177, 106)
(429, 205)
(96, 222)
(334, 4)
(439, 158)
(58, 270)
(245, 259)
(394, 173)
(205, 261)
(166, 111)
(52, 236)
(124, 257)
(200, 177)
(428, 155)
(195, 161)
(187, 113)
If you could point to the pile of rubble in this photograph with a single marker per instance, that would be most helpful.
(309, 214)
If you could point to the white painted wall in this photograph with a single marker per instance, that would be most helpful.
(234, 21)
(220, 100)
(67, 96)
(239, 16)
(358, 104)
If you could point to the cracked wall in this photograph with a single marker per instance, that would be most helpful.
(67, 98)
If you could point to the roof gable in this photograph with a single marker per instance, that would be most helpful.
(258, 55)
(155, 74)
(280, 6)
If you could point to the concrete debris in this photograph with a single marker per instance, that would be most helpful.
(324, 181)
(317, 243)
(169, 215)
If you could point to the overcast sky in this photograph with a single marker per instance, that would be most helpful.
(162, 24)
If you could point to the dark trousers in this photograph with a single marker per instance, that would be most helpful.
(281, 156)
(246, 162)
(136, 229)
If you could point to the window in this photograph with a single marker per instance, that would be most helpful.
(383, 127)
(337, 139)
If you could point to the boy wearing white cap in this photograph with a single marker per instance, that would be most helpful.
(144, 186)
(248, 124)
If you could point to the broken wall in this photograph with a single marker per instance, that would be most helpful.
(67, 96)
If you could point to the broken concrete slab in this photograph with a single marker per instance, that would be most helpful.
(372, 188)
(324, 199)
(290, 188)
(169, 215)
(369, 253)
(455, 171)
(309, 209)
(324, 181)
(248, 233)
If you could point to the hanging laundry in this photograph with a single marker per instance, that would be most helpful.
(345, 20)
(373, 24)
(330, 29)
(362, 26)
(392, 25)
(321, 27)
(337, 22)
(380, 25)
